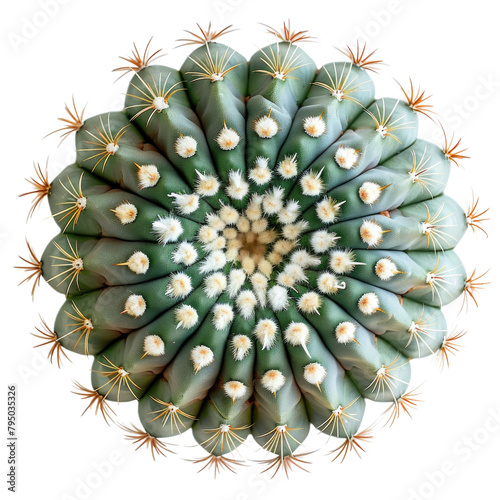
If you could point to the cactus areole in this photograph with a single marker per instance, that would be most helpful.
(252, 247)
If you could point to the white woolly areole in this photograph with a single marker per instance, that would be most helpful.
(235, 390)
(125, 213)
(293, 231)
(206, 234)
(265, 267)
(207, 185)
(309, 303)
(246, 302)
(185, 203)
(215, 222)
(215, 284)
(296, 272)
(186, 316)
(278, 298)
(385, 269)
(223, 315)
(259, 283)
(185, 254)
(160, 103)
(254, 209)
(314, 373)
(241, 346)
(297, 334)
(179, 286)
(284, 247)
(138, 262)
(312, 184)
(329, 284)
(148, 176)
(230, 233)
(260, 173)
(135, 305)
(272, 201)
(259, 225)
(287, 167)
(227, 139)
(185, 146)
(322, 241)
(154, 345)
(346, 157)
(371, 233)
(265, 127)
(369, 303)
(237, 279)
(265, 331)
(273, 380)
(218, 244)
(237, 187)
(112, 148)
(214, 261)
(314, 126)
(345, 332)
(289, 213)
(167, 229)
(229, 214)
(328, 210)
(243, 225)
(201, 356)
(304, 259)
(342, 261)
(369, 192)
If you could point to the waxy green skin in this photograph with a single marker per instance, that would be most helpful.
(411, 172)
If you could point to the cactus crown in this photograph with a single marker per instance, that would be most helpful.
(252, 248)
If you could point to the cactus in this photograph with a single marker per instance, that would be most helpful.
(252, 248)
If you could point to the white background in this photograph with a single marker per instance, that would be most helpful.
(449, 47)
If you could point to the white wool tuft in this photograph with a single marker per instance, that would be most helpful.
(185, 203)
(259, 283)
(241, 345)
(217, 244)
(260, 173)
(287, 168)
(259, 226)
(243, 225)
(138, 263)
(314, 373)
(235, 390)
(179, 286)
(148, 176)
(265, 267)
(135, 305)
(312, 184)
(273, 380)
(237, 279)
(185, 146)
(153, 345)
(223, 315)
(296, 272)
(304, 259)
(229, 214)
(329, 284)
(309, 303)
(369, 192)
(278, 298)
(328, 210)
(346, 157)
(289, 213)
(206, 234)
(230, 233)
(321, 241)
(246, 302)
(185, 254)
(343, 261)
(254, 210)
(265, 331)
(371, 233)
(272, 201)
(237, 187)
(297, 334)
(265, 127)
(201, 356)
(186, 316)
(369, 303)
(207, 185)
(215, 284)
(213, 262)
(345, 332)
(314, 126)
(227, 139)
(167, 229)
(385, 269)
(215, 222)
(284, 247)
(125, 213)
(293, 231)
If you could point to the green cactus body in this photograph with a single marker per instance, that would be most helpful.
(251, 248)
